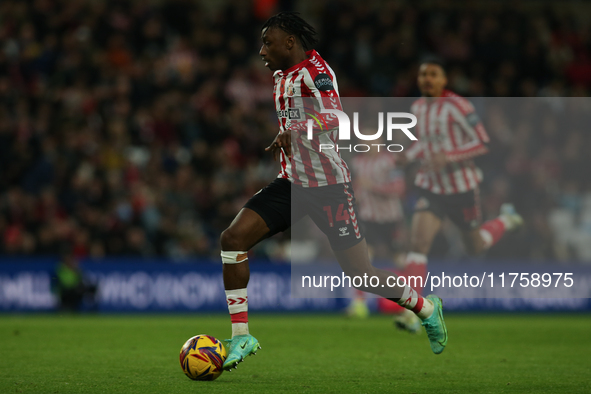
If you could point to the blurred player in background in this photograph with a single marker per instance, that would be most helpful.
(71, 285)
(319, 181)
(450, 135)
(379, 187)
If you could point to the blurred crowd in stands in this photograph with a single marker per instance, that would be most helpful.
(138, 127)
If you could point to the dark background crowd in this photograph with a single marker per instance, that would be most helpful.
(138, 128)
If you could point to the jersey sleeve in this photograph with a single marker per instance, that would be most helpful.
(415, 151)
(467, 119)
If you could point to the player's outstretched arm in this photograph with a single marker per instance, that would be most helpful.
(402, 159)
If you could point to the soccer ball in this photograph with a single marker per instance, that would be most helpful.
(202, 357)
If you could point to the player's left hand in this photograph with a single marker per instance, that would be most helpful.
(281, 141)
(437, 162)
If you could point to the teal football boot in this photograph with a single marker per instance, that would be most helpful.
(435, 326)
(238, 349)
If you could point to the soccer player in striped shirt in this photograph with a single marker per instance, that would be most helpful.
(319, 182)
(450, 136)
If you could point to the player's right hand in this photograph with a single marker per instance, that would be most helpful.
(281, 141)
(436, 163)
(402, 159)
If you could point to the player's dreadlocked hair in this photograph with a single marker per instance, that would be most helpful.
(291, 23)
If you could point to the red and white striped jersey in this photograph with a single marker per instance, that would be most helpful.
(379, 185)
(448, 124)
(309, 166)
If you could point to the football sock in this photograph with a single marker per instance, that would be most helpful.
(238, 308)
(413, 301)
(492, 231)
(237, 299)
(416, 265)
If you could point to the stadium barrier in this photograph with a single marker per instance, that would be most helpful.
(136, 285)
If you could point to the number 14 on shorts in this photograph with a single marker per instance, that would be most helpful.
(342, 214)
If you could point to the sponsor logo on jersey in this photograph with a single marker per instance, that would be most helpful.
(343, 231)
(323, 82)
(290, 113)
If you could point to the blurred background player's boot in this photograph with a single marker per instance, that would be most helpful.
(358, 309)
(408, 321)
(510, 217)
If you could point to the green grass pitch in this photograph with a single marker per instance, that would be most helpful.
(300, 354)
